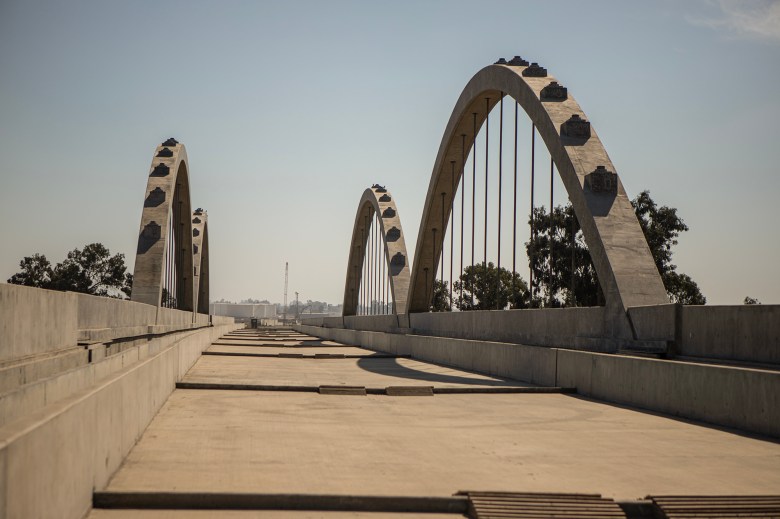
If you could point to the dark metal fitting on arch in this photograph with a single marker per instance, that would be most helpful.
(517, 61)
(165, 152)
(501, 61)
(378, 188)
(160, 170)
(554, 92)
(170, 142)
(601, 181)
(535, 71)
(576, 127)
(198, 211)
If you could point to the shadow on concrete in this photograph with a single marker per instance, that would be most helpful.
(689, 421)
(391, 367)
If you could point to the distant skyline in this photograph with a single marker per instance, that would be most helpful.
(289, 110)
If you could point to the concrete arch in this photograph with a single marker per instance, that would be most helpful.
(378, 201)
(166, 205)
(200, 255)
(620, 253)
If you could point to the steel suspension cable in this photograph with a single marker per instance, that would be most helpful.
(443, 235)
(487, 138)
(552, 231)
(533, 248)
(514, 212)
(452, 225)
(473, 204)
(462, 203)
(500, 181)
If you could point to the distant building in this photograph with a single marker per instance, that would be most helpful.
(242, 310)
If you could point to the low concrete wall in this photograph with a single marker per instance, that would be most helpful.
(35, 321)
(742, 398)
(561, 327)
(52, 459)
(746, 333)
(529, 363)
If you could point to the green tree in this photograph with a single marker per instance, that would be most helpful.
(572, 281)
(485, 287)
(561, 233)
(751, 301)
(91, 270)
(440, 302)
(662, 227)
(36, 272)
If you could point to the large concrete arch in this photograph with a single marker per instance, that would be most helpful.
(377, 200)
(166, 205)
(200, 255)
(620, 253)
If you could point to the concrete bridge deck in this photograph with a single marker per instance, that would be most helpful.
(301, 442)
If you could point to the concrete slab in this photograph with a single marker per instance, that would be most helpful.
(269, 442)
(276, 344)
(302, 350)
(254, 514)
(366, 372)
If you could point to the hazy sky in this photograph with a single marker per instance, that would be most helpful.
(289, 110)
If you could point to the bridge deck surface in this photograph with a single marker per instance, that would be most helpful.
(368, 372)
(309, 443)
(274, 349)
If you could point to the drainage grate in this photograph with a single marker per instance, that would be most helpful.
(674, 507)
(342, 390)
(483, 505)
(409, 390)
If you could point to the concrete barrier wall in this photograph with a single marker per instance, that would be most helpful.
(561, 327)
(35, 321)
(52, 459)
(748, 333)
(742, 398)
(533, 364)
(104, 312)
(374, 323)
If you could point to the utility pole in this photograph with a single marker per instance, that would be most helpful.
(284, 316)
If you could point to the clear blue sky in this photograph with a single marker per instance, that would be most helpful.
(289, 110)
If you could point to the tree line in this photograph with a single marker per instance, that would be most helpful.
(562, 268)
(558, 258)
(90, 270)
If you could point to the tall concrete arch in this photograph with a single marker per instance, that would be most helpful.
(621, 256)
(378, 201)
(166, 208)
(200, 255)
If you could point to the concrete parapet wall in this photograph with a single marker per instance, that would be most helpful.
(35, 321)
(52, 459)
(374, 323)
(742, 398)
(105, 312)
(561, 327)
(533, 364)
(747, 333)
